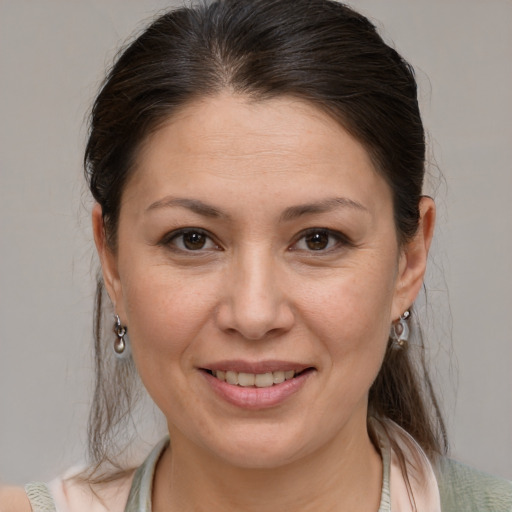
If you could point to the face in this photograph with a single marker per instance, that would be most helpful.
(258, 272)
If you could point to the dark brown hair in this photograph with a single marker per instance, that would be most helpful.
(318, 50)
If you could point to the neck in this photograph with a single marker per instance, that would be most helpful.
(344, 475)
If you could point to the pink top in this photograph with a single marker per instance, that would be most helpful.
(70, 496)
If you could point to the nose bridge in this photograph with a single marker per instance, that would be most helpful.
(256, 303)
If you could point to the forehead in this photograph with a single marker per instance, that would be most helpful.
(237, 124)
(250, 145)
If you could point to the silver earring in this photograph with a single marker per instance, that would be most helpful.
(121, 343)
(399, 333)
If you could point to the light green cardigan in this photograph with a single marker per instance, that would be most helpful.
(463, 489)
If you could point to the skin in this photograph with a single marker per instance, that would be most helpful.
(258, 290)
(14, 499)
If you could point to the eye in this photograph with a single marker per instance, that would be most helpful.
(191, 239)
(319, 240)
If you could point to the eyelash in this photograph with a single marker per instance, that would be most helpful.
(340, 240)
(170, 240)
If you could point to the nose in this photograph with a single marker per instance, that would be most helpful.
(255, 303)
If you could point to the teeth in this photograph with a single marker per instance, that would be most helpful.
(264, 380)
(246, 379)
(260, 380)
(278, 377)
(232, 377)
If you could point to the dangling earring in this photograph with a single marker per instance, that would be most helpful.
(399, 333)
(121, 343)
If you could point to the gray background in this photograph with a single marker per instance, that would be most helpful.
(52, 57)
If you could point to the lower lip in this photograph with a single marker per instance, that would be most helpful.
(257, 398)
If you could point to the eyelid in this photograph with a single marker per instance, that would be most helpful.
(168, 238)
(341, 239)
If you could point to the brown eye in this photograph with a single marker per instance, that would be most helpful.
(188, 240)
(194, 240)
(320, 240)
(317, 240)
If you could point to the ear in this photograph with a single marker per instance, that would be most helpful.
(413, 259)
(107, 258)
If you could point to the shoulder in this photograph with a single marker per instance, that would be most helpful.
(465, 489)
(78, 495)
(70, 494)
(14, 499)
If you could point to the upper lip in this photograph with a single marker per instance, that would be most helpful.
(256, 367)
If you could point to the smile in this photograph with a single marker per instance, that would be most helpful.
(268, 387)
(258, 380)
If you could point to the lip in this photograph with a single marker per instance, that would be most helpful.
(256, 367)
(253, 398)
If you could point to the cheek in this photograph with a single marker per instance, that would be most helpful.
(164, 312)
(354, 308)
(165, 316)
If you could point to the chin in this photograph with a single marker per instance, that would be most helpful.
(256, 459)
(257, 451)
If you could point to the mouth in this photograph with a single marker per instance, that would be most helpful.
(256, 385)
(257, 380)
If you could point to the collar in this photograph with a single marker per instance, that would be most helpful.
(421, 495)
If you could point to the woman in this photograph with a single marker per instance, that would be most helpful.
(258, 170)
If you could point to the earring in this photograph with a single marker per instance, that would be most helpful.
(121, 343)
(399, 333)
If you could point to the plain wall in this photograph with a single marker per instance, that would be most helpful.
(52, 59)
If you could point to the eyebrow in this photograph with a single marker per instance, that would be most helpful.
(291, 213)
(194, 205)
(323, 206)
